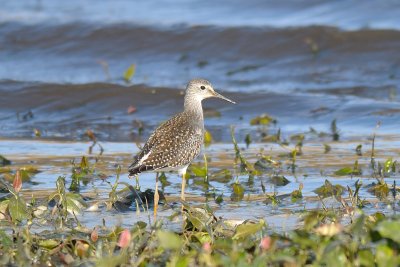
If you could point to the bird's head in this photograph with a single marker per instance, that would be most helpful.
(203, 89)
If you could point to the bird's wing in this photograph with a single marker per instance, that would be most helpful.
(173, 144)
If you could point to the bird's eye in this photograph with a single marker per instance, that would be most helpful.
(202, 87)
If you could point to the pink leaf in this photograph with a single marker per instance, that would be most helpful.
(207, 247)
(17, 184)
(94, 235)
(265, 243)
(131, 109)
(124, 238)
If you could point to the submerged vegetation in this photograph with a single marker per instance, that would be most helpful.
(336, 224)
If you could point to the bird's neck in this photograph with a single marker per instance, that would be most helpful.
(193, 106)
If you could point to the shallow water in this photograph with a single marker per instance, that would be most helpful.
(53, 158)
(304, 63)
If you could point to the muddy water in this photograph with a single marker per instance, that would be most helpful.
(305, 63)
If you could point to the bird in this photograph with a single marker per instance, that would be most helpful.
(177, 141)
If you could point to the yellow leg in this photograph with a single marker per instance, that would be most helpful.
(183, 186)
(156, 197)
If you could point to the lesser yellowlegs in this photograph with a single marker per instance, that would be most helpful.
(178, 141)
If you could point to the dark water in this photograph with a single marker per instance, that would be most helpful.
(304, 62)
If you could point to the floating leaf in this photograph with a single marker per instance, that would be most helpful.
(297, 194)
(263, 119)
(30, 169)
(4, 161)
(128, 74)
(349, 171)
(223, 176)
(344, 171)
(131, 109)
(329, 189)
(247, 228)
(381, 189)
(266, 163)
(279, 180)
(238, 192)
(272, 199)
(198, 171)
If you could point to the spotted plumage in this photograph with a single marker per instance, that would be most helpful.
(173, 145)
(178, 141)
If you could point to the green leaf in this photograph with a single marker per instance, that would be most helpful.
(327, 148)
(203, 237)
(349, 171)
(246, 229)
(223, 176)
(389, 166)
(74, 203)
(207, 138)
(279, 180)
(48, 243)
(4, 161)
(296, 195)
(358, 150)
(329, 189)
(389, 229)
(247, 140)
(198, 171)
(5, 240)
(238, 192)
(385, 256)
(128, 74)
(169, 240)
(263, 119)
(365, 257)
(344, 171)
(17, 208)
(219, 199)
(84, 163)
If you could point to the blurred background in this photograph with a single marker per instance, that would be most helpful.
(119, 67)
